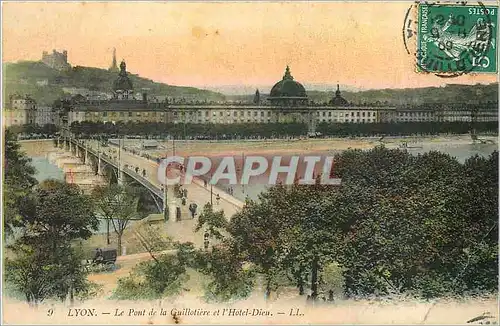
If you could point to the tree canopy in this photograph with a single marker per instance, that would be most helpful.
(45, 263)
(18, 179)
(275, 130)
(399, 223)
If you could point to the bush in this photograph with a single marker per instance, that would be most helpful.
(154, 279)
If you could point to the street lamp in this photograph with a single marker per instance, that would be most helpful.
(211, 190)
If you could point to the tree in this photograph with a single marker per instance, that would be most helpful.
(230, 278)
(291, 230)
(161, 277)
(45, 264)
(118, 205)
(260, 232)
(215, 222)
(49, 129)
(18, 179)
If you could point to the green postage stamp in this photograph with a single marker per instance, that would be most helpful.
(457, 39)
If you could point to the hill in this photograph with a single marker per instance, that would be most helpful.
(453, 93)
(45, 84)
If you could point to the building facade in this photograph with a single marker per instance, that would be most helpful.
(21, 111)
(287, 102)
(44, 116)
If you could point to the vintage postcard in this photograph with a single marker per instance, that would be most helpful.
(330, 162)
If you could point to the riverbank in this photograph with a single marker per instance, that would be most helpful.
(37, 147)
(297, 146)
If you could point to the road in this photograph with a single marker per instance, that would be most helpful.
(197, 193)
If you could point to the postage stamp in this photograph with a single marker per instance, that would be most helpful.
(456, 39)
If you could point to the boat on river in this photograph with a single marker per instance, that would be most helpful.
(405, 145)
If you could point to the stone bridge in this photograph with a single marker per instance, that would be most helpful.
(122, 166)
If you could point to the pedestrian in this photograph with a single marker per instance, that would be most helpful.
(144, 173)
(178, 213)
(217, 198)
(98, 256)
(183, 200)
(205, 183)
(185, 193)
(192, 209)
(136, 169)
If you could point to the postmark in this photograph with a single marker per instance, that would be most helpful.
(456, 39)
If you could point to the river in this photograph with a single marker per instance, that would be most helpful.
(46, 170)
(460, 151)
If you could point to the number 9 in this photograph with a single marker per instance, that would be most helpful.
(50, 312)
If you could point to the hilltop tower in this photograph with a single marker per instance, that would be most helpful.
(56, 60)
(114, 66)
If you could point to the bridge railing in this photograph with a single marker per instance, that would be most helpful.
(157, 190)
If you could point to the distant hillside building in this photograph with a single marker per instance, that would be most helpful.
(56, 60)
(42, 82)
(21, 111)
(91, 95)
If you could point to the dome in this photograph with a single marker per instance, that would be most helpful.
(338, 100)
(123, 83)
(287, 87)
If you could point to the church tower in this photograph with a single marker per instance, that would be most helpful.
(114, 66)
(256, 98)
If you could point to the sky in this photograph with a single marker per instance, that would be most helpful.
(233, 43)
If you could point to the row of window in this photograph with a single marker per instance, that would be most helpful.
(240, 120)
(347, 114)
(261, 114)
(349, 120)
(412, 114)
(415, 119)
(129, 114)
(240, 113)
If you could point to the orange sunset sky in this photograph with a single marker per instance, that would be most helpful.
(240, 43)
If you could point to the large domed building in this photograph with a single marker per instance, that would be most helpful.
(288, 92)
(287, 103)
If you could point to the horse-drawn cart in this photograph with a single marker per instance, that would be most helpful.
(104, 260)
